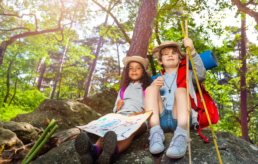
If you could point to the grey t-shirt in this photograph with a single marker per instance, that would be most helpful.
(133, 99)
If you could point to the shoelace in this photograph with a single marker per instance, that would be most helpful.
(178, 143)
(157, 134)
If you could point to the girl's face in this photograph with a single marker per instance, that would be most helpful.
(169, 58)
(135, 71)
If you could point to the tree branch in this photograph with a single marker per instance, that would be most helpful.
(15, 15)
(17, 28)
(6, 43)
(127, 38)
(245, 9)
(62, 36)
(237, 119)
(167, 8)
(2, 22)
(251, 3)
(114, 5)
(250, 111)
(71, 23)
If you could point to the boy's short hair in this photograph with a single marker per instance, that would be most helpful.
(173, 48)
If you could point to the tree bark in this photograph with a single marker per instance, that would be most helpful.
(7, 83)
(59, 70)
(88, 86)
(142, 31)
(243, 95)
(41, 76)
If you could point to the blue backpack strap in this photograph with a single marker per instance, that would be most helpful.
(154, 77)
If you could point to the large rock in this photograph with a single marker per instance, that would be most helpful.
(103, 102)
(1, 124)
(67, 113)
(233, 150)
(8, 139)
(24, 131)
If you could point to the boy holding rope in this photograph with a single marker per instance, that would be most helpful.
(167, 97)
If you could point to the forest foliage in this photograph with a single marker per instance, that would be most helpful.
(26, 57)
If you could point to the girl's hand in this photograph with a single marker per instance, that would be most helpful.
(159, 82)
(135, 114)
(189, 43)
(119, 105)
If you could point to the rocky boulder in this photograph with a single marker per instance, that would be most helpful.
(103, 102)
(8, 139)
(233, 150)
(1, 124)
(67, 113)
(24, 131)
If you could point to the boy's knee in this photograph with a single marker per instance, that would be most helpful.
(151, 89)
(180, 92)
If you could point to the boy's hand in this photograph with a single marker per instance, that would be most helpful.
(189, 43)
(159, 82)
(119, 105)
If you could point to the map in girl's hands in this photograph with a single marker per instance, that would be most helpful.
(122, 125)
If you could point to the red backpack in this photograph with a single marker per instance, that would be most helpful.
(212, 110)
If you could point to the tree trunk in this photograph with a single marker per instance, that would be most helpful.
(88, 86)
(244, 126)
(41, 76)
(7, 83)
(58, 71)
(118, 59)
(153, 69)
(37, 71)
(143, 30)
(59, 87)
(15, 87)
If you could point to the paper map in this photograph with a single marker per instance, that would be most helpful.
(122, 125)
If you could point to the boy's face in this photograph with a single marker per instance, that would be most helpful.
(135, 71)
(169, 58)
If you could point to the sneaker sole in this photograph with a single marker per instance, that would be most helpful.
(175, 157)
(81, 145)
(109, 143)
(156, 152)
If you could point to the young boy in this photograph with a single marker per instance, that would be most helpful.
(168, 99)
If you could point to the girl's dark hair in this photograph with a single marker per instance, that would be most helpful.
(145, 79)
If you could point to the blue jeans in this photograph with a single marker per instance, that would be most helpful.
(167, 121)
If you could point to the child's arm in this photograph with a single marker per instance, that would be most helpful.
(198, 64)
(118, 103)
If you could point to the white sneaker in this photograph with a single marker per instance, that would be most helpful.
(177, 147)
(156, 141)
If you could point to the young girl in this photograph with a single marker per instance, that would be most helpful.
(136, 81)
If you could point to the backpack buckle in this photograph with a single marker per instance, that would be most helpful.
(214, 136)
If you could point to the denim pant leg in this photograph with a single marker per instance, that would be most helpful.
(167, 121)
